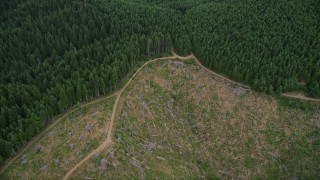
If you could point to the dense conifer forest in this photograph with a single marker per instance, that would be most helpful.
(55, 54)
(271, 45)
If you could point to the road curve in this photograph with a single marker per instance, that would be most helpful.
(290, 95)
(208, 70)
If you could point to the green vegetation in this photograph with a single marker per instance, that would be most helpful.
(271, 45)
(58, 53)
(55, 54)
(297, 104)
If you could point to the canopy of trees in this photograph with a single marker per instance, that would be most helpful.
(271, 45)
(55, 54)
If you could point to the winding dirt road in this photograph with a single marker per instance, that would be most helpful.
(108, 141)
(289, 94)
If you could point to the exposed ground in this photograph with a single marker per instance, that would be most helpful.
(177, 120)
(242, 89)
(300, 96)
(108, 140)
(65, 144)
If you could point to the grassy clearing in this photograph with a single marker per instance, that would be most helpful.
(177, 121)
(64, 145)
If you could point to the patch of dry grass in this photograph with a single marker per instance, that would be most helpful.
(177, 121)
(65, 144)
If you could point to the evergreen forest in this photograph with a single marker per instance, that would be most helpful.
(55, 54)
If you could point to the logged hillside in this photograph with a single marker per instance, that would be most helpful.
(177, 120)
(62, 146)
(55, 54)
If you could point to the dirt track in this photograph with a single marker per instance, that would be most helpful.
(299, 96)
(39, 136)
(208, 70)
(290, 95)
(108, 141)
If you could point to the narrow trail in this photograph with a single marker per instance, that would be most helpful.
(299, 96)
(108, 141)
(39, 136)
(208, 70)
(290, 95)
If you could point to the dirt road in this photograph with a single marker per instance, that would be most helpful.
(208, 70)
(39, 136)
(299, 96)
(108, 141)
(290, 95)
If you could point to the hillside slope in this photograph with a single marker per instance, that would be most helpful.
(55, 54)
(175, 120)
(63, 145)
